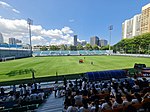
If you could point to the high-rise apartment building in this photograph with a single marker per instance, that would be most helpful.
(137, 25)
(1, 38)
(103, 42)
(145, 19)
(83, 42)
(18, 41)
(12, 41)
(75, 40)
(94, 41)
(131, 27)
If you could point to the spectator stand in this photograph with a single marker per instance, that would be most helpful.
(25, 97)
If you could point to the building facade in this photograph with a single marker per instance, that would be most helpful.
(131, 27)
(83, 42)
(137, 25)
(103, 42)
(94, 41)
(1, 38)
(75, 43)
(12, 41)
(18, 41)
(145, 19)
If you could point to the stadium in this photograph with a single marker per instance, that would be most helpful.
(54, 70)
(45, 67)
(51, 66)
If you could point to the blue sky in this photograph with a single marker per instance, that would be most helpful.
(85, 18)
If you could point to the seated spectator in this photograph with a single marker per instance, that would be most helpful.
(128, 100)
(136, 87)
(130, 108)
(78, 99)
(84, 93)
(33, 96)
(2, 91)
(98, 107)
(41, 95)
(118, 102)
(39, 86)
(137, 98)
(107, 105)
(26, 97)
(14, 88)
(98, 88)
(20, 99)
(72, 108)
(11, 97)
(85, 107)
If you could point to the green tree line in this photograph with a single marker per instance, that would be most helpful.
(78, 47)
(136, 45)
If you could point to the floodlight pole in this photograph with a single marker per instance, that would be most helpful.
(149, 49)
(30, 22)
(110, 29)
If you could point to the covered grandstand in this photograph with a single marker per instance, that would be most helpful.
(73, 53)
(13, 51)
(105, 75)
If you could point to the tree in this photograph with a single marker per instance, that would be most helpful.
(54, 47)
(88, 47)
(63, 47)
(44, 48)
(72, 48)
(95, 47)
(80, 47)
(105, 47)
(138, 44)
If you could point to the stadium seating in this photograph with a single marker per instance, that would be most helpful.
(67, 52)
(104, 75)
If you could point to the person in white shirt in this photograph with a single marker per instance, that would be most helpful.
(85, 107)
(55, 88)
(137, 98)
(78, 99)
(118, 102)
(107, 105)
(128, 100)
(41, 96)
(72, 108)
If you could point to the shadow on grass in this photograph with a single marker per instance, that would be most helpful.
(20, 72)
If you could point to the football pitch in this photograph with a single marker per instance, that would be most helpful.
(63, 65)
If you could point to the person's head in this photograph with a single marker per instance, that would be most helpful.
(138, 97)
(73, 102)
(77, 92)
(144, 79)
(85, 103)
(108, 100)
(96, 105)
(119, 99)
(128, 97)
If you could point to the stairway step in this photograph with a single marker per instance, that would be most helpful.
(52, 104)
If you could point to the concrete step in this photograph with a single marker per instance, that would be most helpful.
(52, 104)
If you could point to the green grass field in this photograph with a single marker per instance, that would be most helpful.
(47, 66)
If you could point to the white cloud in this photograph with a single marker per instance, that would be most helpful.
(66, 30)
(7, 6)
(15, 10)
(40, 36)
(71, 20)
(4, 4)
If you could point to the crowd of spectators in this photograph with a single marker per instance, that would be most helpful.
(22, 95)
(101, 96)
